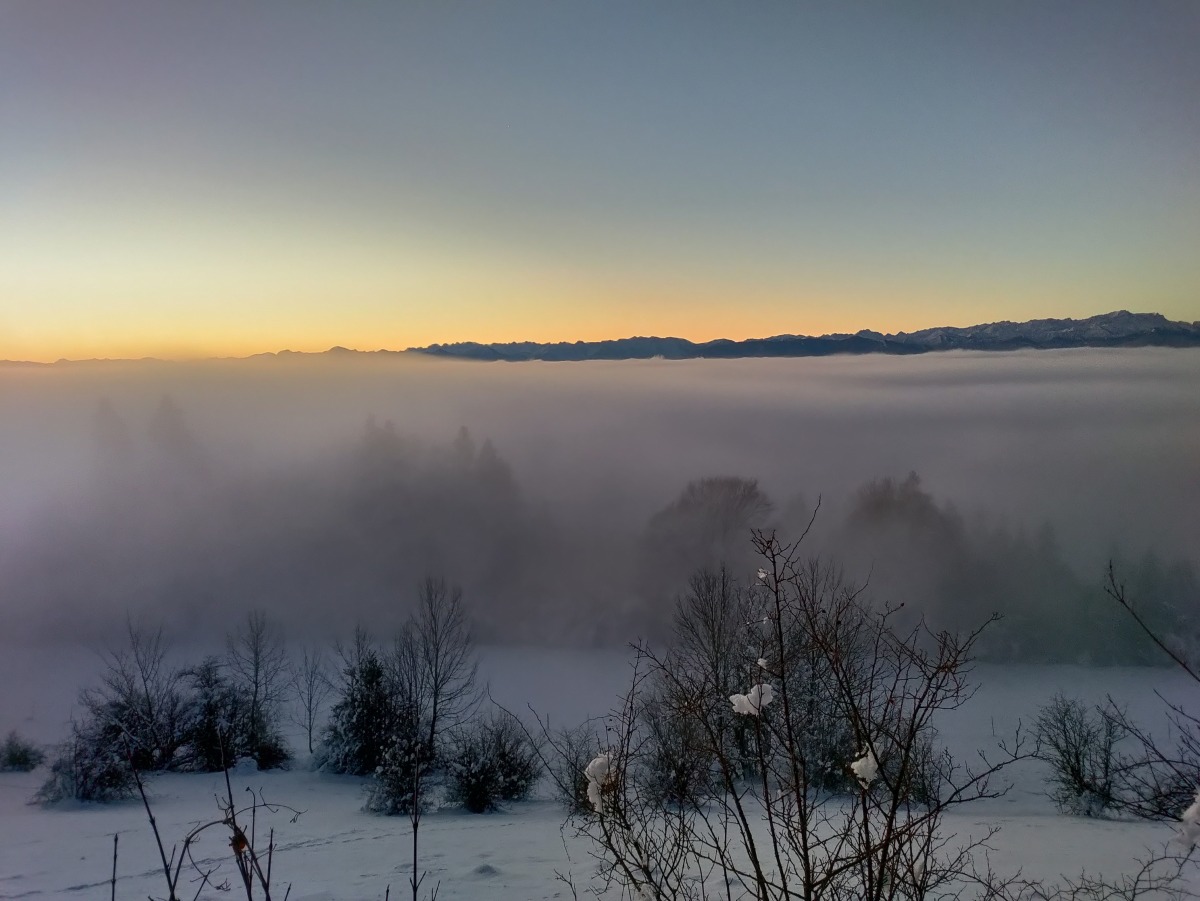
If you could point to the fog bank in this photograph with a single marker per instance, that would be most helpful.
(321, 488)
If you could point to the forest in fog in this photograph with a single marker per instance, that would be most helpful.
(576, 515)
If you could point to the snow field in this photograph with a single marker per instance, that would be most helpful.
(336, 851)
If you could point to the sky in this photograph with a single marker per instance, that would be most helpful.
(226, 178)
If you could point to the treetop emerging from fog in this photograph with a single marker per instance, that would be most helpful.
(573, 501)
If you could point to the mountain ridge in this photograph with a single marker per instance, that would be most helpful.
(1119, 328)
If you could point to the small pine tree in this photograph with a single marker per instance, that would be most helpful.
(362, 721)
(19, 755)
(402, 777)
(213, 739)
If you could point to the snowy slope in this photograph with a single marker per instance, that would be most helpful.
(336, 851)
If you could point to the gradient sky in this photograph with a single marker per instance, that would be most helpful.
(183, 179)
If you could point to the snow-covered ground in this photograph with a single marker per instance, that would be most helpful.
(336, 851)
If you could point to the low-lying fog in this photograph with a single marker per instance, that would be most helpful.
(320, 489)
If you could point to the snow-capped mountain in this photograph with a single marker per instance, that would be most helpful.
(1117, 329)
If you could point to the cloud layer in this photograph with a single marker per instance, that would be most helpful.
(322, 488)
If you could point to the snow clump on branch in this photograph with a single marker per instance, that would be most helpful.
(752, 703)
(598, 772)
(1189, 829)
(865, 768)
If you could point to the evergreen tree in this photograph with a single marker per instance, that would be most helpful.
(362, 722)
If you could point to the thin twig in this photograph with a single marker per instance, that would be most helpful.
(162, 853)
(1116, 591)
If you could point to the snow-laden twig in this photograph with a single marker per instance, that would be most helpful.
(753, 701)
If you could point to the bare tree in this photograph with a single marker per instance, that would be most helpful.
(432, 672)
(259, 666)
(311, 684)
(1155, 781)
(847, 794)
(709, 649)
(138, 715)
(707, 525)
(871, 826)
(710, 620)
(141, 700)
(1158, 780)
(444, 652)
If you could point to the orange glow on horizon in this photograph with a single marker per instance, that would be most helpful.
(586, 325)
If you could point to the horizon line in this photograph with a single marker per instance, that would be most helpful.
(421, 350)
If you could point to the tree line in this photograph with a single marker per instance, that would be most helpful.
(166, 525)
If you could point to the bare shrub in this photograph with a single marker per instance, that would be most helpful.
(1158, 780)
(845, 792)
(1079, 744)
(570, 749)
(252, 861)
(136, 718)
(140, 709)
(564, 754)
(710, 656)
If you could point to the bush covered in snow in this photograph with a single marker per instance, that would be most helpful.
(401, 783)
(489, 761)
(149, 715)
(221, 726)
(87, 767)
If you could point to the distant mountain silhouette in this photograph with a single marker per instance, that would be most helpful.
(1117, 329)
